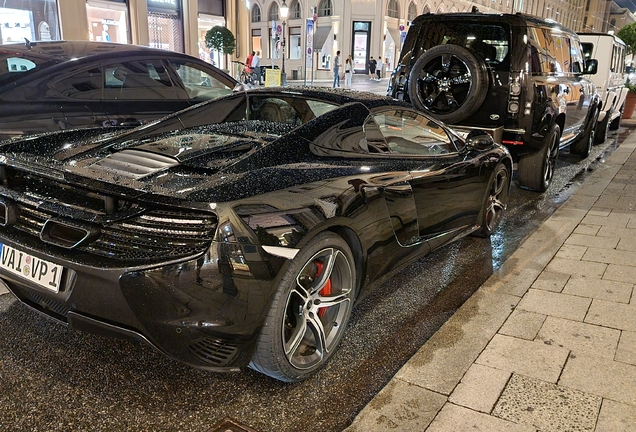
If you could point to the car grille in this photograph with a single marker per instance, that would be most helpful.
(133, 234)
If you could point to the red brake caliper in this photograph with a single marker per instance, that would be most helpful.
(326, 290)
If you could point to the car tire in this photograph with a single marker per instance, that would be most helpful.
(583, 146)
(616, 123)
(299, 336)
(535, 170)
(449, 82)
(602, 131)
(496, 201)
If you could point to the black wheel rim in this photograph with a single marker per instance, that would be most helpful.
(317, 308)
(551, 158)
(444, 84)
(497, 199)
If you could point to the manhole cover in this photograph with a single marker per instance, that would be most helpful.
(231, 425)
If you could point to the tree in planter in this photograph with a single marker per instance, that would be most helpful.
(220, 39)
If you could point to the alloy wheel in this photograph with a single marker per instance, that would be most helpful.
(497, 199)
(317, 308)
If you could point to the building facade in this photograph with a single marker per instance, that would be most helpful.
(316, 29)
(308, 38)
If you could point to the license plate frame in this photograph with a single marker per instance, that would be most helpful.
(43, 273)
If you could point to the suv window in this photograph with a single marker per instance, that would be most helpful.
(554, 52)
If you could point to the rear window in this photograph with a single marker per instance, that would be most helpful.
(489, 41)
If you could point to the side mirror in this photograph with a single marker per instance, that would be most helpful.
(479, 139)
(591, 66)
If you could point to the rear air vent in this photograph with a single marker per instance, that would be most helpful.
(216, 352)
(135, 163)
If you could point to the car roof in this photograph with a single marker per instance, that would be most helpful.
(75, 50)
(511, 19)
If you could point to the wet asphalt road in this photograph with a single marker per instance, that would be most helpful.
(56, 379)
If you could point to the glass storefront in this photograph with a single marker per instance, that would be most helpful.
(165, 25)
(107, 21)
(206, 22)
(30, 19)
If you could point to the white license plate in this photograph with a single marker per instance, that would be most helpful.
(41, 272)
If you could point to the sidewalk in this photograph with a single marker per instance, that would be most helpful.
(549, 341)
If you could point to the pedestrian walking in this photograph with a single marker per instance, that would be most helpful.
(336, 70)
(378, 70)
(256, 67)
(348, 72)
(372, 65)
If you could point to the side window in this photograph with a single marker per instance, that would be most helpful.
(198, 83)
(409, 133)
(142, 79)
(541, 58)
(273, 109)
(86, 84)
(559, 47)
(576, 56)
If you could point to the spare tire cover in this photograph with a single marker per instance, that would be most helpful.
(448, 81)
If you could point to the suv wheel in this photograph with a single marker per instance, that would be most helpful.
(583, 146)
(449, 82)
(535, 171)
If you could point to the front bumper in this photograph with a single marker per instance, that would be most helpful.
(205, 311)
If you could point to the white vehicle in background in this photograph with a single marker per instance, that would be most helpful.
(610, 78)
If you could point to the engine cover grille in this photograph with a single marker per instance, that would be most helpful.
(132, 232)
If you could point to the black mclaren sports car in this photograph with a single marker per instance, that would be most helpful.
(240, 231)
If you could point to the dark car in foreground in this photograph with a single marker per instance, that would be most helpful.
(51, 86)
(518, 76)
(241, 231)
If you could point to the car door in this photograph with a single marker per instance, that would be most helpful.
(446, 188)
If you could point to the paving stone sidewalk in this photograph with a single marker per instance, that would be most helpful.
(549, 341)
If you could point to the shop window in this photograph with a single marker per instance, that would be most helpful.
(107, 21)
(33, 20)
(165, 31)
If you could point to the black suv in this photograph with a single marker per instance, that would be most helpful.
(517, 76)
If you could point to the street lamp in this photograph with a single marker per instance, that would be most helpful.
(284, 11)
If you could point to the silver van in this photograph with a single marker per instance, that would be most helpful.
(609, 51)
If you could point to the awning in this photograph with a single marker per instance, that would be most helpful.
(321, 37)
(395, 35)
